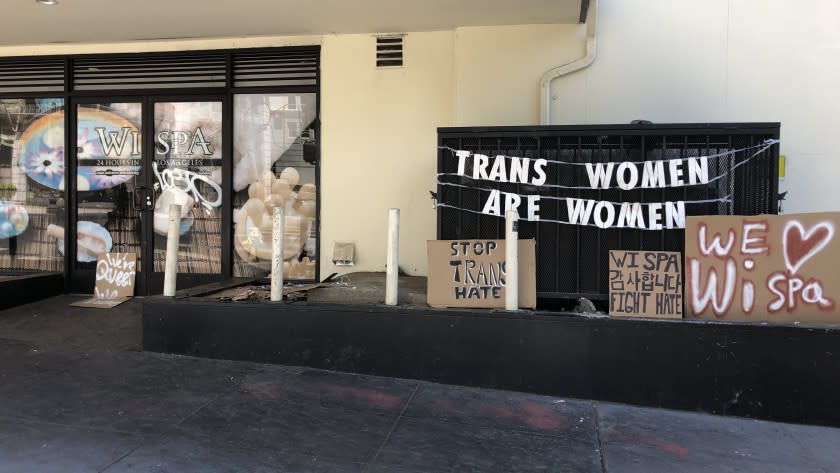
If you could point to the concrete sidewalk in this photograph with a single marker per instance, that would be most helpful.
(75, 398)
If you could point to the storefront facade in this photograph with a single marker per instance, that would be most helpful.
(480, 64)
(95, 148)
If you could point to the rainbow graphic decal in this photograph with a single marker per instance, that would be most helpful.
(43, 154)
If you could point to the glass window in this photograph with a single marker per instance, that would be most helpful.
(32, 170)
(275, 162)
(108, 160)
(188, 172)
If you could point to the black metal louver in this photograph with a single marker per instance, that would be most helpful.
(28, 75)
(389, 51)
(149, 72)
(276, 68)
(268, 67)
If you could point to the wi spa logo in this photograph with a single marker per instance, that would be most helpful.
(114, 142)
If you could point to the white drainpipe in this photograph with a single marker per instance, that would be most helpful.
(568, 68)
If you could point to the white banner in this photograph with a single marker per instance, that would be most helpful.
(625, 176)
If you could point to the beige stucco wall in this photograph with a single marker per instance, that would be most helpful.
(379, 125)
(498, 70)
(379, 130)
(722, 61)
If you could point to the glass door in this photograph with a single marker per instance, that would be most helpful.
(134, 158)
(186, 169)
(107, 186)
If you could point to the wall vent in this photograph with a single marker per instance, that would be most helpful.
(389, 51)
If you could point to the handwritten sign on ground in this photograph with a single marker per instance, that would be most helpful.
(763, 268)
(471, 273)
(115, 273)
(646, 284)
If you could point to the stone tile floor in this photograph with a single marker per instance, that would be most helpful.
(74, 397)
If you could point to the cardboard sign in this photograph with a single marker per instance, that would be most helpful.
(763, 268)
(471, 273)
(115, 274)
(646, 284)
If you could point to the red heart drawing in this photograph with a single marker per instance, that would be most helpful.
(800, 245)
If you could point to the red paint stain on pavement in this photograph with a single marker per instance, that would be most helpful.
(539, 417)
(376, 398)
(673, 449)
(651, 441)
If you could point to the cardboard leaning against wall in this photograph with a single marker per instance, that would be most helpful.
(646, 284)
(115, 277)
(763, 268)
(471, 273)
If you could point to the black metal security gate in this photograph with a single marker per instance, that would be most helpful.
(572, 260)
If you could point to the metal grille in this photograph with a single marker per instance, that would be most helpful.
(389, 51)
(149, 72)
(572, 260)
(32, 75)
(281, 68)
(271, 67)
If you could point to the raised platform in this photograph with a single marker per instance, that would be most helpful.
(22, 289)
(778, 372)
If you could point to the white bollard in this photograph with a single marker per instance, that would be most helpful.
(511, 260)
(392, 263)
(173, 236)
(277, 238)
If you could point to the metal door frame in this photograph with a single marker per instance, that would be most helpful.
(82, 280)
(147, 281)
(155, 280)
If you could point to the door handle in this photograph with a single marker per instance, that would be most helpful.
(143, 194)
(138, 193)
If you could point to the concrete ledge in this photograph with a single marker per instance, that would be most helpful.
(779, 372)
(23, 289)
(369, 288)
